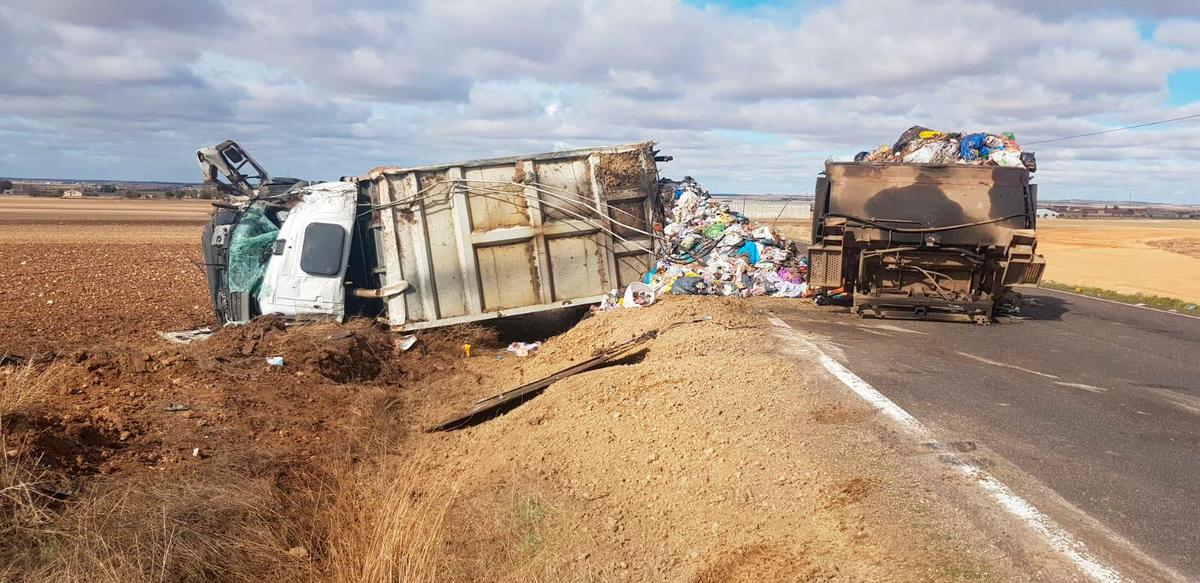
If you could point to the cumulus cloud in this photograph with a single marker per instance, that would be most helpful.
(749, 101)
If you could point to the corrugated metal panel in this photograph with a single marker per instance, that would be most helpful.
(481, 239)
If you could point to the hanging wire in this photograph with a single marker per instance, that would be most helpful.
(575, 200)
(1109, 131)
(427, 191)
(602, 245)
(583, 218)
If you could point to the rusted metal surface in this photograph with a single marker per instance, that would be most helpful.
(922, 240)
(524, 233)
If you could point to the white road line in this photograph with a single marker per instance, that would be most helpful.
(898, 329)
(1054, 535)
(1186, 402)
(1083, 386)
(1006, 365)
(1059, 291)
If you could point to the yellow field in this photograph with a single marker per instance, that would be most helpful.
(1152, 257)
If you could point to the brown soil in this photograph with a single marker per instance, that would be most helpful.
(620, 171)
(1189, 246)
(124, 407)
(694, 459)
(57, 297)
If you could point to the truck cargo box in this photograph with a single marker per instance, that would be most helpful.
(483, 239)
(923, 240)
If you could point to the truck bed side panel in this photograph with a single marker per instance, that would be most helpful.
(482, 239)
(932, 196)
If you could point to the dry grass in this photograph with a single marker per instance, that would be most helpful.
(25, 498)
(27, 387)
(451, 338)
(387, 523)
(247, 518)
(222, 524)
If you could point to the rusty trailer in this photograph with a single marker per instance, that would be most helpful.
(924, 241)
(483, 239)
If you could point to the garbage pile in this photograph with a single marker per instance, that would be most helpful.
(706, 248)
(921, 145)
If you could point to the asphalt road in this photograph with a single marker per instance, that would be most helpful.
(1099, 402)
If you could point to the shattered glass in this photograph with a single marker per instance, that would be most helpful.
(250, 248)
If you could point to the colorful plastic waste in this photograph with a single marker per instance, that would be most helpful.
(921, 145)
(708, 248)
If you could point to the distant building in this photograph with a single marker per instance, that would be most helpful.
(72, 193)
(1048, 214)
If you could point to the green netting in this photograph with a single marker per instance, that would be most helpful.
(250, 248)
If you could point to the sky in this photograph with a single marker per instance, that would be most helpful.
(748, 96)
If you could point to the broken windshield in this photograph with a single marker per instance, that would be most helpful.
(250, 248)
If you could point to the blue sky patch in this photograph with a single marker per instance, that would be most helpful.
(1183, 87)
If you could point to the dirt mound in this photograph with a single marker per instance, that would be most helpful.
(695, 460)
(346, 353)
(120, 407)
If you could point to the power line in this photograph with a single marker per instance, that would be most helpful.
(1109, 131)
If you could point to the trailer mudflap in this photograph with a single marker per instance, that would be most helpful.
(1023, 267)
(827, 259)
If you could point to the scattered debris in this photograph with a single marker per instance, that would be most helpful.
(275, 361)
(638, 294)
(524, 348)
(405, 342)
(187, 336)
(707, 248)
(176, 407)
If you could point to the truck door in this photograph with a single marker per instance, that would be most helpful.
(308, 266)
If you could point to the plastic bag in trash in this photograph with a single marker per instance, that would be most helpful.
(638, 295)
(1006, 158)
(923, 155)
(910, 134)
(1029, 160)
(524, 348)
(972, 147)
(693, 285)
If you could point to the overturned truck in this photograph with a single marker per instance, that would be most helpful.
(924, 241)
(431, 245)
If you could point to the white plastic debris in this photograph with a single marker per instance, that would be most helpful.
(187, 336)
(524, 348)
(638, 295)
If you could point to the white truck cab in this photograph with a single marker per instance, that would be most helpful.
(307, 267)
